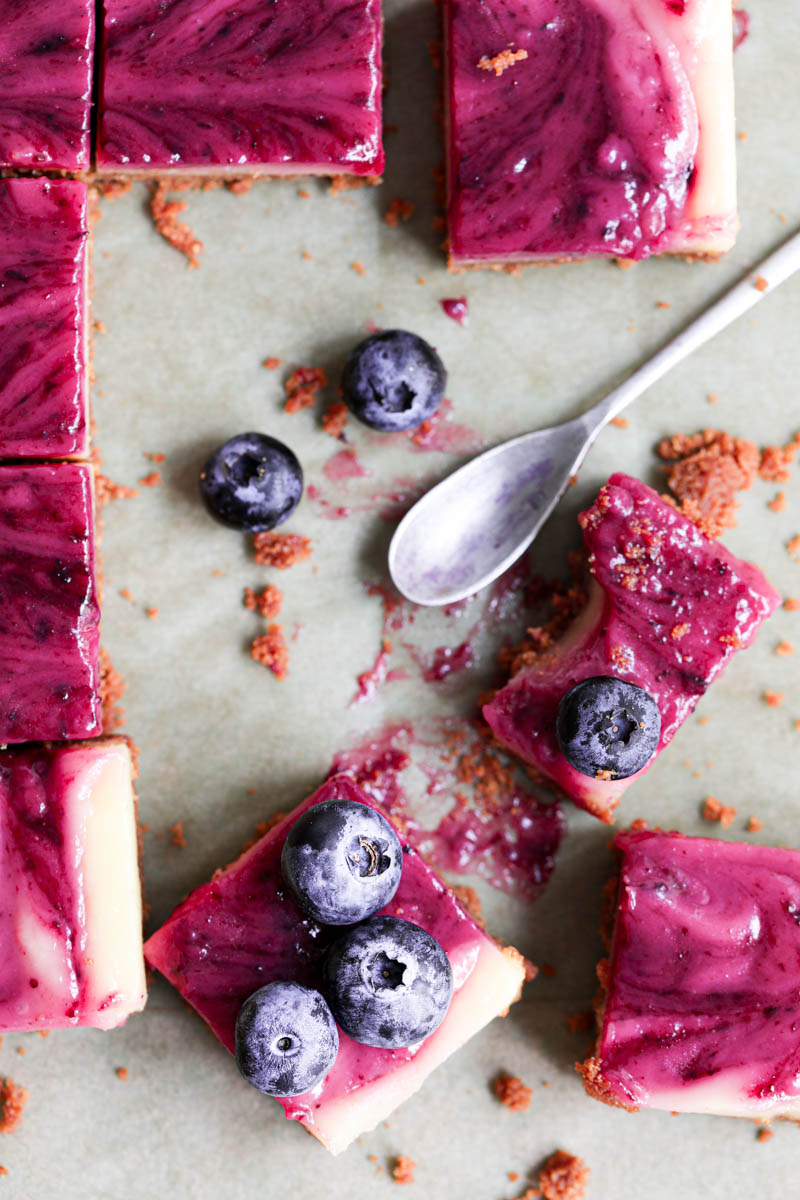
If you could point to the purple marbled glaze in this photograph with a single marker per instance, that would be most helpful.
(46, 51)
(668, 608)
(43, 246)
(292, 85)
(703, 985)
(585, 147)
(49, 615)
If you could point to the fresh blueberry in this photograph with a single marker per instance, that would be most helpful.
(388, 983)
(342, 862)
(252, 482)
(606, 724)
(286, 1039)
(393, 381)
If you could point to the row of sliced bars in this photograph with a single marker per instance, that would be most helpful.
(70, 890)
(554, 151)
(189, 85)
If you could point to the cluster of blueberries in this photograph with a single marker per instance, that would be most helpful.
(386, 981)
(392, 381)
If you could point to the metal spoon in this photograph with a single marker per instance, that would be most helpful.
(473, 525)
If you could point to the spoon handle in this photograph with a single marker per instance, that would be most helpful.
(764, 278)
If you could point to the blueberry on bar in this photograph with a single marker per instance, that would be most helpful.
(49, 615)
(578, 129)
(46, 53)
(43, 318)
(241, 87)
(243, 930)
(389, 983)
(342, 862)
(700, 1008)
(71, 911)
(667, 608)
(286, 1039)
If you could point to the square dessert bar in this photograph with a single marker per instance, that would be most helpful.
(701, 1004)
(70, 894)
(46, 52)
(233, 87)
(43, 319)
(589, 129)
(49, 615)
(667, 609)
(242, 930)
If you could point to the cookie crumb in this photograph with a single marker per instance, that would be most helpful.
(281, 550)
(502, 61)
(271, 651)
(122, 1073)
(754, 825)
(760, 283)
(564, 1176)
(302, 387)
(619, 422)
(272, 363)
(765, 1135)
(663, 304)
(112, 689)
(512, 1092)
(398, 210)
(105, 490)
(177, 836)
(793, 546)
(775, 463)
(784, 649)
(151, 612)
(151, 480)
(335, 419)
(581, 1022)
(713, 810)
(778, 503)
(792, 603)
(267, 602)
(709, 469)
(358, 267)
(12, 1101)
(774, 699)
(165, 217)
(403, 1169)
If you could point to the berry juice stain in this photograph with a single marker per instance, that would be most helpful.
(489, 823)
(457, 310)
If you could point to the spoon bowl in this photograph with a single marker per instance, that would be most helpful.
(473, 525)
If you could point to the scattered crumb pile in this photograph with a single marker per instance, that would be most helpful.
(709, 469)
(403, 1169)
(564, 1176)
(281, 550)
(511, 1091)
(12, 1101)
